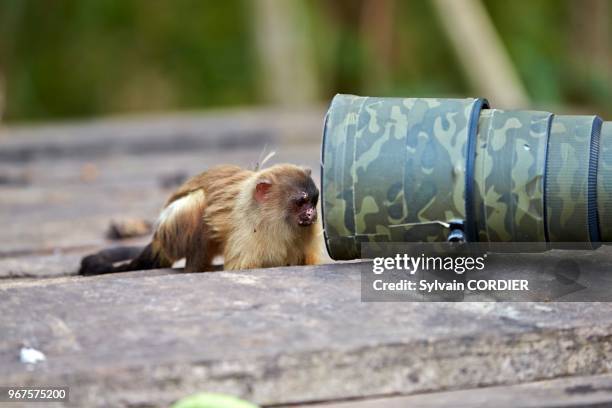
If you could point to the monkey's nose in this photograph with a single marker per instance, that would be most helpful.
(309, 216)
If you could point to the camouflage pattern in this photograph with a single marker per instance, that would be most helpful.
(604, 183)
(509, 171)
(567, 185)
(393, 169)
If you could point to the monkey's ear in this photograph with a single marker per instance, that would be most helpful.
(307, 170)
(261, 190)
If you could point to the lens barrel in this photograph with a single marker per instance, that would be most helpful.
(604, 183)
(432, 170)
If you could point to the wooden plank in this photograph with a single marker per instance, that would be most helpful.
(56, 263)
(587, 391)
(281, 336)
(59, 209)
(126, 169)
(213, 130)
(39, 266)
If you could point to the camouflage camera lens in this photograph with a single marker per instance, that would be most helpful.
(394, 169)
(571, 179)
(510, 166)
(604, 183)
(432, 170)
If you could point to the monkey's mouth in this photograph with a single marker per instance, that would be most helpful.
(306, 223)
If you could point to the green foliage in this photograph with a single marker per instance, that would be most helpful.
(545, 45)
(80, 58)
(534, 34)
(89, 57)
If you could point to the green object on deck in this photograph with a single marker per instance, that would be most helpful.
(212, 400)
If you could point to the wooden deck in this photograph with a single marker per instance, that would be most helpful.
(278, 337)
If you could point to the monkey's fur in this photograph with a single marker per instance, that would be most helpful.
(254, 219)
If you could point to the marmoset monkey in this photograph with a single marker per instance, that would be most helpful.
(254, 219)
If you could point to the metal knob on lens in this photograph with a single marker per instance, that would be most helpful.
(437, 170)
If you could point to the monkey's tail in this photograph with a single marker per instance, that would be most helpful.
(103, 262)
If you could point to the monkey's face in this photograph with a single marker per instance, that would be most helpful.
(288, 193)
(304, 207)
(303, 198)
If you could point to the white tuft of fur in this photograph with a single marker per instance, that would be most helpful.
(262, 162)
(181, 206)
(178, 223)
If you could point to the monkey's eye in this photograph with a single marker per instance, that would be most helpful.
(302, 199)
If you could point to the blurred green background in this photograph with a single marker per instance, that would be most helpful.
(83, 58)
